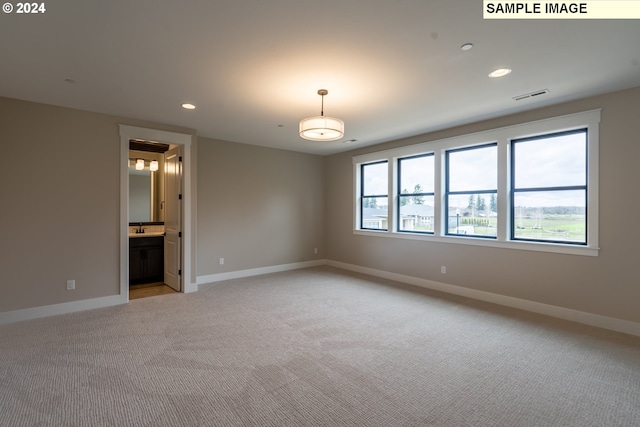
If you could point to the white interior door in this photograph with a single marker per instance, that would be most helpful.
(173, 218)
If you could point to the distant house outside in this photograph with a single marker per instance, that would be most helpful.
(374, 218)
(414, 217)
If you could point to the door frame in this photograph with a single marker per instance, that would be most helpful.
(128, 133)
(173, 174)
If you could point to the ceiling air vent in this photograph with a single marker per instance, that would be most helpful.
(531, 95)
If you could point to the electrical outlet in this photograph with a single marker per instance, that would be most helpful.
(71, 285)
(221, 261)
(443, 269)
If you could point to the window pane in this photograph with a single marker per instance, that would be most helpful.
(375, 213)
(416, 215)
(550, 215)
(374, 179)
(472, 215)
(473, 169)
(416, 174)
(553, 161)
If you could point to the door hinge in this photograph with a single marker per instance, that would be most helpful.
(179, 233)
(179, 196)
(179, 272)
(179, 158)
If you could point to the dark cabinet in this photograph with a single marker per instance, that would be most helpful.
(146, 260)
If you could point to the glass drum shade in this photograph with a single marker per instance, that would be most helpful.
(321, 128)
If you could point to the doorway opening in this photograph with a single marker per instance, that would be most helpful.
(147, 196)
(165, 239)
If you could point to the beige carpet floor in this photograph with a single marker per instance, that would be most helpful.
(315, 347)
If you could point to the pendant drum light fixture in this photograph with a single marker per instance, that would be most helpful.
(321, 128)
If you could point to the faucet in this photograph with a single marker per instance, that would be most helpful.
(140, 229)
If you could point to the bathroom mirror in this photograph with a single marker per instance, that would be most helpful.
(146, 187)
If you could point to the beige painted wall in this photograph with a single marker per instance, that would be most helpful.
(59, 216)
(257, 207)
(607, 285)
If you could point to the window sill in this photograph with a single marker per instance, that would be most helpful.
(472, 241)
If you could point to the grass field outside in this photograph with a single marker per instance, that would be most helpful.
(564, 224)
(545, 227)
(557, 227)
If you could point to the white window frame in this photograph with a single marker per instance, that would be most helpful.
(503, 136)
(359, 208)
(398, 189)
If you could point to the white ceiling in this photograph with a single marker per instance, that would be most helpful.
(393, 68)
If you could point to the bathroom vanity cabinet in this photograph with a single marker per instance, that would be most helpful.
(146, 259)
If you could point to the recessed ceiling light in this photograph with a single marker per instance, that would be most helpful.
(188, 106)
(466, 46)
(500, 72)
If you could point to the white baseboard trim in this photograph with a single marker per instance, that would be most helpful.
(619, 325)
(89, 304)
(591, 319)
(190, 287)
(212, 278)
(63, 308)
